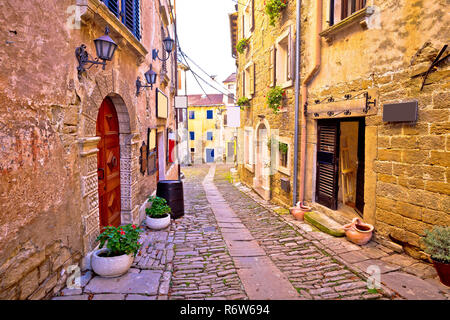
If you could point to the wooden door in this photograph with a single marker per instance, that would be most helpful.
(359, 203)
(108, 165)
(327, 163)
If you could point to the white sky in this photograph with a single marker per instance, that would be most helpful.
(204, 34)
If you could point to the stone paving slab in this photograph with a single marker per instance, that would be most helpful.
(145, 282)
(410, 287)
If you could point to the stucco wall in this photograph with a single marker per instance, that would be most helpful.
(47, 116)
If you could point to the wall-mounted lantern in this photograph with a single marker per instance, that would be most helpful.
(168, 46)
(150, 77)
(105, 48)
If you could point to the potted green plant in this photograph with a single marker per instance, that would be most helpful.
(243, 102)
(274, 98)
(158, 214)
(121, 247)
(273, 9)
(242, 45)
(437, 245)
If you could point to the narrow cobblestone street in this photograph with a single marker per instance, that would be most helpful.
(231, 245)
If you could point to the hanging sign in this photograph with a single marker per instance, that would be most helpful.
(234, 117)
(162, 104)
(181, 102)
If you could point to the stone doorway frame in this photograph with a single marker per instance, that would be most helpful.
(262, 174)
(88, 141)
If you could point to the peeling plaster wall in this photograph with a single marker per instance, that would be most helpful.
(48, 218)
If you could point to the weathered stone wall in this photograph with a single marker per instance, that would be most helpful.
(262, 39)
(48, 164)
(409, 162)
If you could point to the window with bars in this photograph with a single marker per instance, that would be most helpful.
(129, 13)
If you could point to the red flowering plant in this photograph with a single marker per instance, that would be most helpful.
(275, 97)
(120, 240)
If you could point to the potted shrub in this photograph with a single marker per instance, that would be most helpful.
(273, 9)
(437, 245)
(243, 102)
(158, 214)
(242, 45)
(275, 97)
(121, 247)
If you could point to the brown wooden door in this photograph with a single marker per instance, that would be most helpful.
(108, 165)
(327, 163)
(359, 203)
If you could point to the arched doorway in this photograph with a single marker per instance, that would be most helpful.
(108, 164)
(261, 182)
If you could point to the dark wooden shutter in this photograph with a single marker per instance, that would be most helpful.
(359, 203)
(131, 16)
(113, 6)
(327, 163)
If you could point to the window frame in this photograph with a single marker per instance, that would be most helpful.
(191, 112)
(248, 148)
(209, 134)
(287, 169)
(283, 60)
(192, 135)
(209, 112)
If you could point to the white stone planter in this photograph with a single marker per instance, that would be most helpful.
(157, 223)
(110, 267)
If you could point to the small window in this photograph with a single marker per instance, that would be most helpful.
(283, 63)
(209, 114)
(193, 150)
(283, 149)
(209, 135)
(192, 135)
(249, 81)
(225, 118)
(341, 9)
(191, 114)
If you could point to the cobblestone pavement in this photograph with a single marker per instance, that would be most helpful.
(322, 266)
(191, 260)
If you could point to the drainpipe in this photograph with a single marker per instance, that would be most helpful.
(304, 93)
(297, 98)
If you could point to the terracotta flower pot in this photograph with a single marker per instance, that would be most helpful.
(299, 211)
(443, 270)
(358, 232)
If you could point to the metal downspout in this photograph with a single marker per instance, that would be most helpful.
(297, 99)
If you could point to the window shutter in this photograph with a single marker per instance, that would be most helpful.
(243, 25)
(252, 18)
(272, 65)
(131, 16)
(113, 6)
(252, 79)
(291, 56)
(327, 164)
(243, 84)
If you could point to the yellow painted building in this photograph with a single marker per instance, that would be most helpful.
(205, 120)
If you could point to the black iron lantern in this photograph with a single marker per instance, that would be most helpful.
(105, 48)
(168, 44)
(150, 77)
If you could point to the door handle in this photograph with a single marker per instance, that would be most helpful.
(103, 174)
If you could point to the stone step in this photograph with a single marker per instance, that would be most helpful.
(324, 223)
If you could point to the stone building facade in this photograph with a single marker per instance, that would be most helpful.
(50, 208)
(358, 59)
(257, 74)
